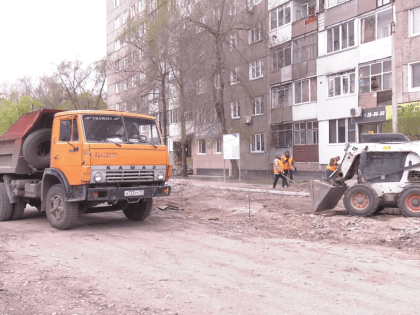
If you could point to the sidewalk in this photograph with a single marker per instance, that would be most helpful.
(230, 184)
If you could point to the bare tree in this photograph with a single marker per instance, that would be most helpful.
(84, 87)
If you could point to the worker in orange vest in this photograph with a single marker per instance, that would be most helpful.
(332, 166)
(288, 165)
(277, 169)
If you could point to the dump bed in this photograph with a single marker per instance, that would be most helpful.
(11, 159)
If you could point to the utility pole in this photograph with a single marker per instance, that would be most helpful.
(394, 74)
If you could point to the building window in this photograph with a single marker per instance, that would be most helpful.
(124, 17)
(256, 69)
(200, 117)
(299, 132)
(117, 66)
(117, 23)
(258, 106)
(132, 11)
(255, 34)
(201, 143)
(311, 132)
(234, 41)
(121, 106)
(305, 133)
(332, 3)
(376, 26)
(234, 76)
(375, 77)
(117, 45)
(281, 96)
(415, 22)
(142, 5)
(304, 8)
(414, 76)
(235, 110)
(118, 87)
(116, 3)
(188, 116)
(281, 135)
(253, 2)
(382, 2)
(305, 91)
(281, 56)
(341, 84)
(218, 145)
(280, 16)
(173, 116)
(257, 143)
(217, 81)
(340, 36)
(305, 48)
(342, 131)
(134, 108)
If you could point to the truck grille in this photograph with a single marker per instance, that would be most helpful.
(414, 176)
(129, 176)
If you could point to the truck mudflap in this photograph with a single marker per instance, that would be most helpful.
(325, 195)
(124, 193)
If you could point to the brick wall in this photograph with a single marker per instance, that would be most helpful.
(306, 153)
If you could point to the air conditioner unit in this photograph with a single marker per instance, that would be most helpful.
(247, 119)
(250, 8)
(356, 112)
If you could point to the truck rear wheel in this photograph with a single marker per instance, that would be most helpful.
(140, 210)
(6, 207)
(18, 210)
(36, 148)
(61, 214)
(409, 201)
(361, 200)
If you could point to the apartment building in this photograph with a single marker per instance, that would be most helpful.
(313, 75)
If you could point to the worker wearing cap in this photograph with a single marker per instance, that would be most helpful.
(288, 165)
(277, 169)
(332, 166)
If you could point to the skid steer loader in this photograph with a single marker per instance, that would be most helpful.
(388, 175)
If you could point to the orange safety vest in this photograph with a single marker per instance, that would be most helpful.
(287, 162)
(277, 165)
(333, 166)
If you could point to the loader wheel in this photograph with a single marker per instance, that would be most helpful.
(18, 209)
(6, 207)
(361, 200)
(140, 210)
(409, 202)
(36, 148)
(61, 214)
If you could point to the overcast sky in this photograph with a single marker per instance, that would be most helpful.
(36, 33)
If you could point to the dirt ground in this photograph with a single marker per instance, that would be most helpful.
(252, 250)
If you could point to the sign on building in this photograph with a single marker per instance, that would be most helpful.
(231, 150)
(374, 114)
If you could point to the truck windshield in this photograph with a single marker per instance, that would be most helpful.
(120, 129)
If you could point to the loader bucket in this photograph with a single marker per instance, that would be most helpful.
(324, 195)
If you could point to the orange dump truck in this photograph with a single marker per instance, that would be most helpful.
(66, 162)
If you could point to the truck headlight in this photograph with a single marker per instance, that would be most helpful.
(160, 175)
(97, 177)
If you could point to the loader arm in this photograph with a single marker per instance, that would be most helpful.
(325, 194)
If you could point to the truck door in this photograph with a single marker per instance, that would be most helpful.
(66, 149)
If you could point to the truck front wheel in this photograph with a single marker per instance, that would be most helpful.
(61, 214)
(140, 210)
(6, 207)
(361, 200)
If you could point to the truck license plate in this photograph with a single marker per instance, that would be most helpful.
(130, 193)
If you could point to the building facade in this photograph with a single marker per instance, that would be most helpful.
(313, 75)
